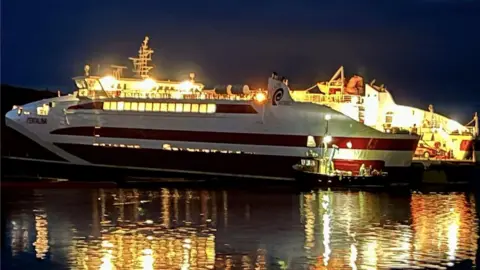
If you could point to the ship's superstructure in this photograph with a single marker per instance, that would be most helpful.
(178, 126)
(374, 106)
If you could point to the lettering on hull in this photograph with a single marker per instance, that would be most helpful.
(34, 120)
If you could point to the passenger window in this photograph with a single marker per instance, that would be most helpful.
(171, 107)
(211, 108)
(141, 106)
(187, 107)
(194, 108)
(127, 106)
(120, 106)
(203, 108)
(156, 107)
(134, 106)
(106, 106)
(148, 107)
(164, 107)
(179, 107)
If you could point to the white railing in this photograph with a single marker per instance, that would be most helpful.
(204, 95)
(319, 98)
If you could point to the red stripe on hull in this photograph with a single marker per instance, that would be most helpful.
(354, 165)
(239, 138)
(376, 143)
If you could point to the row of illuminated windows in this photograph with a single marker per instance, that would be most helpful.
(117, 145)
(160, 87)
(310, 143)
(168, 147)
(159, 107)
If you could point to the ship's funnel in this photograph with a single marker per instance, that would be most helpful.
(278, 91)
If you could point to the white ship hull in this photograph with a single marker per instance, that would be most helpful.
(260, 141)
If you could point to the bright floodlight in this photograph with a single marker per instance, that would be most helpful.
(328, 117)
(185, 86)
(260, 97)
(327, 139)
(108, 81)
(349, 145)
(148, 84)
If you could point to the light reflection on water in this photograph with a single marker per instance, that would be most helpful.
(202, 229)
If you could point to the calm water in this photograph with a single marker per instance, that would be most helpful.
(232, 229)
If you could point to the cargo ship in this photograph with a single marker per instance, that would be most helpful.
(142, 123)
(373, 105)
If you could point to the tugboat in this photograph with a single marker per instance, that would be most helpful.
(319, 170)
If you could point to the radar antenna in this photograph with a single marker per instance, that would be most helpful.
(140, 64)
(117, 71)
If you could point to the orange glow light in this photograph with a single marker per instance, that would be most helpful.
(260, 97)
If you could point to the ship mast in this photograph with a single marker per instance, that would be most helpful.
(140, 64)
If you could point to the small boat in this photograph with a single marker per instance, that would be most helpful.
(339, 180)
(318, 170)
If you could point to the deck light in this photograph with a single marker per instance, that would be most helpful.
(327, 139)
(148, 84)
(260, 97)
(185, 86)
(108, 81)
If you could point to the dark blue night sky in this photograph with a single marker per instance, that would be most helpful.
(425, 51)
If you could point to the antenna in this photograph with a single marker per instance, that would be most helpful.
(140, 64)
(87, 70)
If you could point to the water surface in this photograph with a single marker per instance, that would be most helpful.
(233, 229)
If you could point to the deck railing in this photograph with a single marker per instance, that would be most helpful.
(319, 98)
(206, 95)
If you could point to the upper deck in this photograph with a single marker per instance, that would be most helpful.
(143, 86)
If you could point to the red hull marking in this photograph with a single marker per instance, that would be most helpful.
(466, 145)
(376, 143)
(239, 138)
(220, 108)
(354, 165)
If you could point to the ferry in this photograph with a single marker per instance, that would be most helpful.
(441, 138)
(179, 126)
